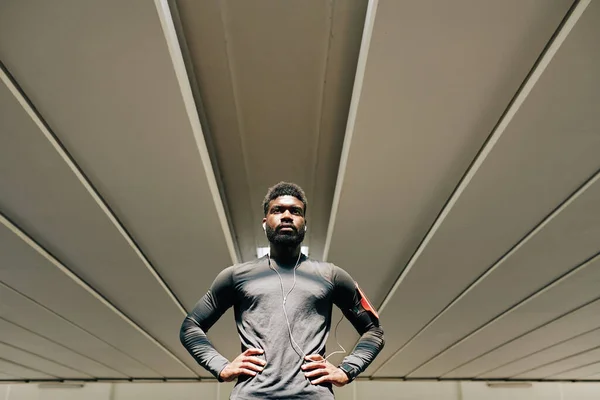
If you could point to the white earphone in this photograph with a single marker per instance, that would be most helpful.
(295, 344)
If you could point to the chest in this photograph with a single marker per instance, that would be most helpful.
(306, 291)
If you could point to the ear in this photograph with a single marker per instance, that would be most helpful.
(264, 224)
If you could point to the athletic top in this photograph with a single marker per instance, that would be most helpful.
(254, 290)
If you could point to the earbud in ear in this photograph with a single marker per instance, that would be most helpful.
(305, 228)
(265, 227)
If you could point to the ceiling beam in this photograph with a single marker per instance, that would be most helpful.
(168, 27)
(354, 103)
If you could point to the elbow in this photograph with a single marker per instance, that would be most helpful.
(183, 331)
(381, 337)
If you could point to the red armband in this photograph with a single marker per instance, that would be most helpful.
(365, 303)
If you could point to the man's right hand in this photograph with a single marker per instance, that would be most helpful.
(244, 364)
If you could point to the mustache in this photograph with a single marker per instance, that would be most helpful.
(280, 227)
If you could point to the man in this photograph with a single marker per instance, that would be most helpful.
(283, 303)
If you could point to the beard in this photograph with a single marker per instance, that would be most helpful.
(288, 239)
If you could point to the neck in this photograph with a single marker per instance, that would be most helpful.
(284, 254)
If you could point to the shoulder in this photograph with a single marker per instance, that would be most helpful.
(244, 270)
(231, 277)
(338, 273)
(327, 270)
(343, 278)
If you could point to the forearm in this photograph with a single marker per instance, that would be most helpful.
(205, 313)
(196, 342)
(370, 344)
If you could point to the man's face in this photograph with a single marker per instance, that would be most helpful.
(284, 223)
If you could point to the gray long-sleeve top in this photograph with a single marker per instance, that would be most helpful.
(255, 292)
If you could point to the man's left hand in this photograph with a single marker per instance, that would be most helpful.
(323, 371)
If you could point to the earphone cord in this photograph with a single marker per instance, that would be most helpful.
(285, 296)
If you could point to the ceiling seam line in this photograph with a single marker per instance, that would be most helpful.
(581, 266)
(88, 288)
(498, 264)
(26, 367)
(76, 327)
(578, 367)
(178, 64)
(518, 99)
(481, 278)
(560, 360)
(68, 159)
(42, 357)
(56, 343)
(500, 261)
(537, 351)
(352, 113)
(532, 296)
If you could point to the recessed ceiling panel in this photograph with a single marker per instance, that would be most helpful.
(20, 371)
(582, 372)
(72, 300)
(22, 338)
(513, 357)
(275, 79)
(576, 345)
(561, 297)
(565, 240)
(72, 345)
(29, 360)
(566, 367)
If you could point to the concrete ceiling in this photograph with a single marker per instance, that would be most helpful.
(449, 152)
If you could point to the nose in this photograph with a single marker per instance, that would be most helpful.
(287, 215)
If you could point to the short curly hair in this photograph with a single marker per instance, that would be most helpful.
(284, 189)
